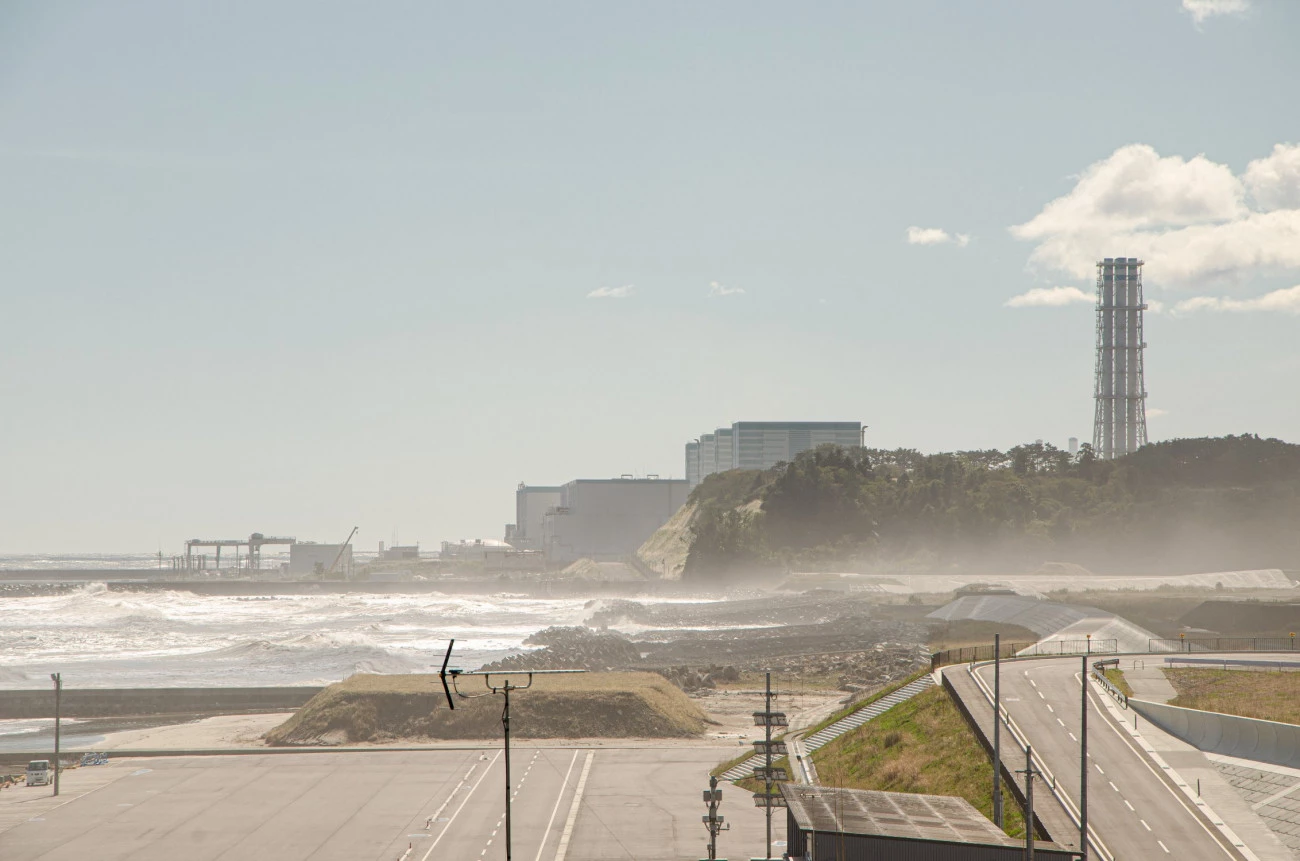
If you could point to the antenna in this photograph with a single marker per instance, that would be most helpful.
(504, 688)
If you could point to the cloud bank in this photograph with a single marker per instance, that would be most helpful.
(936, 236)
(1049, 297)
(1193, 220)
(1203, 9)
(1286, 300)
(716, 289)
(612, 292)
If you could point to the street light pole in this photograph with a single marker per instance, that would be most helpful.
(58, 703)
(1083, 765)
(997, 730)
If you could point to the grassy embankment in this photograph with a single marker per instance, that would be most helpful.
(372, 708)
(923, 745)
(1261, 695)
(1116, 678)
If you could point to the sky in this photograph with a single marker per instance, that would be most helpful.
(295, 267)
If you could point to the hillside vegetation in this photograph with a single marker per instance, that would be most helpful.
(1192, 504)
(1260, 695)
(376, 709)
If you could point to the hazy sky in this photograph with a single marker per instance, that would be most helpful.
(297, 266)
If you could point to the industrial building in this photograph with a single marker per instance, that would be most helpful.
(1120, 418)
(762, 445)
(828, 824)
(308, 558)
(608, 519)
(531, 504)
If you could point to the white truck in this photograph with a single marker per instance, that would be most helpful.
(38, 772)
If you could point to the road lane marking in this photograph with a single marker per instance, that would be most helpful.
(1040, 696)
(1050, 709)
(1112, 785)
(463, 802)
(556, 809)
(1072, 737)
(1163, 846)
(1098, 764)
(1061, 722)
(1129, 806)
(567, 834)
(1144, 824)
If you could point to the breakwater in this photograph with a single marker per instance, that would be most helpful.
(134, 702)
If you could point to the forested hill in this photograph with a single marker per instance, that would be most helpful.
(1184, 505)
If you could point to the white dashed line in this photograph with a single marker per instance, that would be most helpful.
(1050, 709)
(1061, 722)
(1144, 824)
(1112, 785)
(1129, 806)
(1163, 846)
(1073, 738)
(1098, 766)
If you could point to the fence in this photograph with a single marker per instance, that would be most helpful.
(1010, 650)
(1224, 644)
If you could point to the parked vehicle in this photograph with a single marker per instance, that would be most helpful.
(38, 772)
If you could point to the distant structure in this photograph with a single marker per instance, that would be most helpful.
(1120, 419)
(306, 557)
(762, 445)
(398, 552)
(531, 504)
(1074, 446)
(608, 519)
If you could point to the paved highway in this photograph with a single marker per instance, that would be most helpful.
(1135, 810)
(569, 805)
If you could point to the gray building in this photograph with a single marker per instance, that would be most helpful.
(531, 504)
(608, 519)
(308, 558)
(1120, 418)
(762, 445)
(828, 824)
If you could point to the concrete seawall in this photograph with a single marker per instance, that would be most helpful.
(130, 702)
(1230, 735)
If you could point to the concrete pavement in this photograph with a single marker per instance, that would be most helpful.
(641, 803)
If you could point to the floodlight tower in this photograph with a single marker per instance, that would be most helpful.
(1120, 418)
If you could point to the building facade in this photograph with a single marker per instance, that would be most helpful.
(762, 445)
(531, 504)
(608, 519)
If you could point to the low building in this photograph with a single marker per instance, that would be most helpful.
(398, 552)
(829, 824)
(307, 558)
(608, 519)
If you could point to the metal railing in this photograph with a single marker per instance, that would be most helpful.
(1224, 644)
(974, 653)
(979, 654)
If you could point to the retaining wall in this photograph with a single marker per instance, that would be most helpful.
(123, 702)
(1230, 735)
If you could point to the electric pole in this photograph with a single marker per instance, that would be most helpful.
(1083, 765)
(58, 703)
(712, 821)
(1029, 802)
(769, 775)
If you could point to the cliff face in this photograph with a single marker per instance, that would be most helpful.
(665, 552)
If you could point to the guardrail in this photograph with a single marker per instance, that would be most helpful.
(978, 654)
(1099, 673)
(1223, 644)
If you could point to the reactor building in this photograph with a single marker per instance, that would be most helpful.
(1120, 418)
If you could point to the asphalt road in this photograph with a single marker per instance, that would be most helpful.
(641, 803)
(1134, 808)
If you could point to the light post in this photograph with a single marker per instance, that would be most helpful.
(1083, 765)
(770, 775)
(712, 821)
(1029, 773)
(997, 730)
(57, 678)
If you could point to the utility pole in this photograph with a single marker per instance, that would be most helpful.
(1083, 765)
(58, 703)
(770, 775)
(712, 821)
(997, 730)
(1029, 802)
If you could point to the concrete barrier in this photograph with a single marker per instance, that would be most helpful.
(131, 702)
(1230, 735)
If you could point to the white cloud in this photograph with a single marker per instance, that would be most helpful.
(1274, 181)
(1202, 9)
(1286, 300)
(936, 236)
(612, 292)
(1188, 219)
(1155, 413)
(1049, 297)
(716, 289)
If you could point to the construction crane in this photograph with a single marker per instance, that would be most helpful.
(339, 556)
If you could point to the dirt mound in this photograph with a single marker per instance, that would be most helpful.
(1245, 618)
(376, 709)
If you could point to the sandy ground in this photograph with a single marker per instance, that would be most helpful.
(732, 712)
